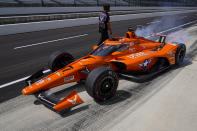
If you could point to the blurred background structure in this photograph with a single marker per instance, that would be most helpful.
(67, 3)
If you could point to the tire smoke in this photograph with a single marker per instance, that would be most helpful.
(162, 26)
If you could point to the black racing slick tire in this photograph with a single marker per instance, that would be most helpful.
(59, 59)
(101, 83)
(180, 54)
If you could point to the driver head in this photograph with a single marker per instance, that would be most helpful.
(130, 29)
(106, 8)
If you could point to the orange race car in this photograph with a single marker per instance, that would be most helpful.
(116, 57)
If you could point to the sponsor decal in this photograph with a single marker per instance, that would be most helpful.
(48, 79)
(73, 101)
(143, 47)
(69, 78)
(80, 63)
(39, 82)
(57, 73)
(145, 63)
(25, 90)
(171, 53)
(131, 50)
(172, 44)
(133, 56)
(129, 43)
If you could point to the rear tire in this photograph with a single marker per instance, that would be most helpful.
(59, 60)
(180, 54)
(102, 83)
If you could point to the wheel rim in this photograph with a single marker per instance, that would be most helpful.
(106, 87)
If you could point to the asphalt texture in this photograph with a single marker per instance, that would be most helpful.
(18, 63)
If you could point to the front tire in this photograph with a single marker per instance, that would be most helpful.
(102, 83)
(59, 60)
(180, 54)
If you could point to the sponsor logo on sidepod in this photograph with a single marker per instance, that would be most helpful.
(69, 78)
(145, 63)
(133, 56)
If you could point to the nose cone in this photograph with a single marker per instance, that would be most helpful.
(28, 91)
(24, 91)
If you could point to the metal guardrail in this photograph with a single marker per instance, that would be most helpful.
(62, 3)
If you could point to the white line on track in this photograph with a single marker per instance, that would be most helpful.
(19, 47)
(174, 28)
(178, 26)
(19, 80)
(153, 22)
(22, 79)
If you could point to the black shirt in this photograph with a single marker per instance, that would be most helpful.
(103, 20)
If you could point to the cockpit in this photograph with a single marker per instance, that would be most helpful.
(105, 50)
(116, 44)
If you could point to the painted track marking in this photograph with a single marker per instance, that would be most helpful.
(19, 80)
(41, 43)
(174, 28)
(153, 22)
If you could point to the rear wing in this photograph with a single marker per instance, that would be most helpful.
(162, 38)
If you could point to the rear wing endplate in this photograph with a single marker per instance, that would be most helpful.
(162, 38)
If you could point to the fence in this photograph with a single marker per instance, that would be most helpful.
(62, 3)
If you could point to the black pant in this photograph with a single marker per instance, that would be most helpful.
(103, 37)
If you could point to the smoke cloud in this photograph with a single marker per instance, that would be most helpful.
(179, 36)
(163, 26)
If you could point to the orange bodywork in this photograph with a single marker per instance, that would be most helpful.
(69, 101)
(135, 54)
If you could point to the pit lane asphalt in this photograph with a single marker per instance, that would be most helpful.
(19, 63)
(21, 113)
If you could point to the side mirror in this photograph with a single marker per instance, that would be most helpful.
(95, 47)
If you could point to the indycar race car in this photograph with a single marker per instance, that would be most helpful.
(101, 69)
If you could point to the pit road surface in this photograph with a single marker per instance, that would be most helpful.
(20, 113)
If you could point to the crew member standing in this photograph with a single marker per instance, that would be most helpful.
(104, 24)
